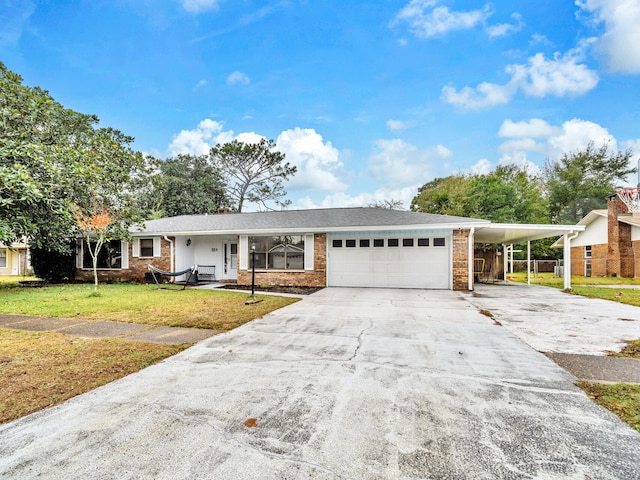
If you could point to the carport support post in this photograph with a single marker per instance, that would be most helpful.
(505, 259)
(528, 262)
(567, 261)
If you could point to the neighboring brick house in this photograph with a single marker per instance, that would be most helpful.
(610, 243)
(348, 247)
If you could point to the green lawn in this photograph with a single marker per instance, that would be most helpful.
(135, 303)
(588, 286)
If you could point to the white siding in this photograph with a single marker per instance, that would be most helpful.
(308, 251)
(596, 233)
(243, 249)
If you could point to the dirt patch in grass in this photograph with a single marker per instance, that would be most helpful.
(632, 350)
(621, 399)
(42, 369)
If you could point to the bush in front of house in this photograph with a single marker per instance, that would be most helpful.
(53, 266)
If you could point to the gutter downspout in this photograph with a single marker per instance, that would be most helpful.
(171, 269)
(567, 258)
(471, 263)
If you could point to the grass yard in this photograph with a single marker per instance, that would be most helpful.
(621, 399)
(42, 369)
(135, 303)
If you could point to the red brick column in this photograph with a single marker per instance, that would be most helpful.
(620, 258)
(461, 259)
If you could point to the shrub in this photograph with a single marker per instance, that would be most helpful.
(54, 266)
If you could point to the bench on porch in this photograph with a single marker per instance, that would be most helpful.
(207, 273)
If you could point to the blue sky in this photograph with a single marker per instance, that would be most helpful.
(370, 99)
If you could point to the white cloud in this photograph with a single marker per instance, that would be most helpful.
(396, 163)
(200, 84)
(199, 140)
(502, 29)
(238, 78)
(318, 162)
(537, 136)
(395, 125)
(576, 134)
(534, 128)
(248, 137)
(426, 19)
(485, 95)
(481, 167)
(342, 199)
(620, 42)
(197, 6)
(538, 38)
(539, 77)
(560, 76)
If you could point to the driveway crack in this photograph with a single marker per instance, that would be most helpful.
(360, 335)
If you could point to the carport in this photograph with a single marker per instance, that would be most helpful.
(508, 234)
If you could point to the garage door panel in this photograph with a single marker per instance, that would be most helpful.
(397, 267)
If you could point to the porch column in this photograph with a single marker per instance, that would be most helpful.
(505, 260)
(567, 261)
(528, 262)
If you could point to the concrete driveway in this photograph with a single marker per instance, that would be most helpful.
(347, 384)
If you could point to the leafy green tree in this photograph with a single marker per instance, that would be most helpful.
(444, 196)
(582, 180)
(53, 161)
(253, 172)
(509, 194)
(185, 185)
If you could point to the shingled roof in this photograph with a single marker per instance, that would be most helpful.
(317, 220)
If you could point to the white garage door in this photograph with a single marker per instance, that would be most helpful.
(419, 262)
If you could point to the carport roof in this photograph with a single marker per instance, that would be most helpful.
(317, 220)
(509, 233)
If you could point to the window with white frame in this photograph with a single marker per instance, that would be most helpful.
(587, 251)
(285, 252)
(3, 257)
(146, 247)
(587, 268)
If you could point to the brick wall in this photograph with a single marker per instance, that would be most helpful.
(137, 267)
(599, 260)
(620, 254)
(308, 278)
(461, 259)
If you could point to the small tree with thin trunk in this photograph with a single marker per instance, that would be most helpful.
(95, 225)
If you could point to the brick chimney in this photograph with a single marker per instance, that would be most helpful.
(620, 258)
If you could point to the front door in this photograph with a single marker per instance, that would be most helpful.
(230, 260)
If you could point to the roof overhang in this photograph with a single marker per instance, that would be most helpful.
(509, 233)
(302, 230)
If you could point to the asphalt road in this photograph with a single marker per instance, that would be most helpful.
(346, 384)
